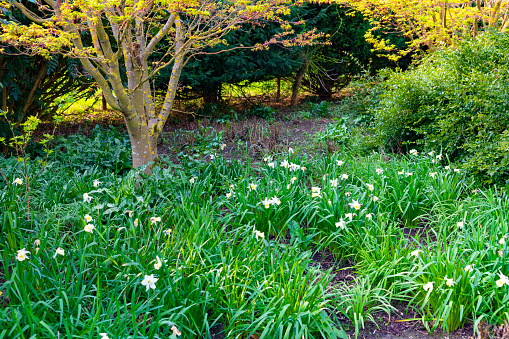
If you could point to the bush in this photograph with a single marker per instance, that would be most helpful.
(456, 100)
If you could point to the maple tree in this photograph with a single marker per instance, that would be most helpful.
(115, 40)
(430, 23)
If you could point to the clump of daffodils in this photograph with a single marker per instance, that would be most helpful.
(315, 192)
(414, 152)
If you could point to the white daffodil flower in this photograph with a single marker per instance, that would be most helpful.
(428, 286)
(87, 198)
(267, 202)
(341, 224)
(175, 331)
(149, 281)
(355, 205)
(370, 187)
(340, 162)
(18, 181)
(334, 183)
(253, 187)
(469, 268)
(96, 183)
(379, 171)
(415, 253)
(344, 176)
(449, 282)
(154, 220)
(22, 255)
(87, 218)
(414, 152)
(167, 232)
(89, 228)
(59, 251)
(259, 234)
(502, 281)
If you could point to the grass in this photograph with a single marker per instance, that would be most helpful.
(231, 241)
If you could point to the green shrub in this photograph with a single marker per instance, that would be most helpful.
(456, 100)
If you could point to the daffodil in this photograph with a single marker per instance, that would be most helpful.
(59, 251)
(284, 164)
(457, 170)
(302, 168)
(334, 183)
(414, 152)
(275, 200)
(135, 223)
(104, 335)
(502, 281)
(340, 162)
(460, 224)
(292, 180)
(447, 167)
(37, 242)
(229, 195)
(501, 253)
(428, 286)
(415, 253)
(259, 234)
(355, 205)
(18, 181)
(449, 282)
(294, 167)
(379, 171)
(87, 218)
(192, 180)
(375, 198)
(369, 216)
(408, 174)
(344, 176)
(401, 172)
(439, 156)
(349, 216)
(315, 192)
(253, 186)
(154, 220)
(502, 240)
(167, 232)
(175, 331)
(469, 268)
(433, 174)
(290, 150)
(348, 194)
(22, 255)
(431, 153)
(87, 198)
(341, 224)
(267, 202)
(271, 164)
(89, 228)
(96, 183)
(158, 263)
(129, 213)
(222, 147)
(370, 187)
(149, 281)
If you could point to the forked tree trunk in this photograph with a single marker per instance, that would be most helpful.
(297, 83)
(143, 145)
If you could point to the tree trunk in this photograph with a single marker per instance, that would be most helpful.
(213, 96)
(297, 83)
(144, 146)
(105, 104)
(278, 88)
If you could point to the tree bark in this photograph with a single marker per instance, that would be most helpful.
(297, 83)
(105, 104)
(278, 88)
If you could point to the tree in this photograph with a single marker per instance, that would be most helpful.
(430, 23)
(129, 32)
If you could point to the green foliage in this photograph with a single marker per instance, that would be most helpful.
(261, 111)
(455, 100)
(233, 243)
(107, 149)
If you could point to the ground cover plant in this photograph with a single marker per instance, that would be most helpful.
(217, 245)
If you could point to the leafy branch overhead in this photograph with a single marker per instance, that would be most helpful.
(115, 42)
